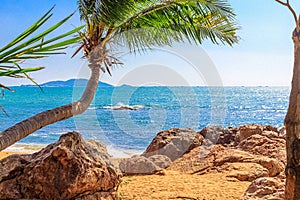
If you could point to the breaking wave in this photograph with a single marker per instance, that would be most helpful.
(121, 106)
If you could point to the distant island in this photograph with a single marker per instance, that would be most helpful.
(70, 83)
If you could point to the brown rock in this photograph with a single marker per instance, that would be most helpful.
(270, 134)
(219, 135)
(246, 131)
(228, 137)
(265, 188)
(273, 166)
(194, 162)
(266, 145)
(271, 128)
(173, 143)
(139, 165)
(68, 169)
(246, 171)
(198, 162)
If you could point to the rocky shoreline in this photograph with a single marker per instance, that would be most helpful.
(72, 168)
(253, 153)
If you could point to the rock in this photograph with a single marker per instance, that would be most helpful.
(273, 166)
(246, 131)
(218, 135)
(97, 147)
(161, 161)
(199, 162)
(125, 107)
(194, 162)
(266, 145)
(212, 133)
(282, 132)
(265, 188)
(173, 143)
(270, 134)
(246, 171)
(139, 165)
(228, 137)
(271, 128)
(68, 169)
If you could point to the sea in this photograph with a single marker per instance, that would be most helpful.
(127, 118)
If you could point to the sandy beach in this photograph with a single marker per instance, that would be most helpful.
(175, 185)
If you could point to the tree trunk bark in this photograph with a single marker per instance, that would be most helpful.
(34, 123)
(292, 123)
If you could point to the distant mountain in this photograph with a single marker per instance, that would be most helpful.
(71, 83)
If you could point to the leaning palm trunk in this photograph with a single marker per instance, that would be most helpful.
(292, 123)
(36, 122)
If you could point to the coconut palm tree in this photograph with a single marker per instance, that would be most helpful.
(292, 118)
(137, 24)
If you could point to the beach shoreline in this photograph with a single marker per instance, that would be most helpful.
(231, 166)
(4, 154)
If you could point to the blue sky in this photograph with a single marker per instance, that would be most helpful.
(264, 55)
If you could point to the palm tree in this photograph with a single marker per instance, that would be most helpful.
(108, 22)
(292, 118)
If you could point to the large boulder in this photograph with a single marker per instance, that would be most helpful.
(68, 169)
(173, 143)
(139, 165)
(265, 188)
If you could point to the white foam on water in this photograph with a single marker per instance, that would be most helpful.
(92, 108)
(32, 148)
(122, 153)
(24, 148)
(121, 106)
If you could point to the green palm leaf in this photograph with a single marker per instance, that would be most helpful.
(181, 20)
(143, 24)
(32, 45)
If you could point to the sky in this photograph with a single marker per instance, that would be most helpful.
(263, 56)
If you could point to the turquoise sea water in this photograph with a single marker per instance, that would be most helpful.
(155, 109)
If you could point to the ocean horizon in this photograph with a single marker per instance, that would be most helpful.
(127, 118)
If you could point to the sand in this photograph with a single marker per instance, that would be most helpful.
(175, 185)
(4, 154)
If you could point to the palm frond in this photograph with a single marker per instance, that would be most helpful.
(142, 24)
(37, 46)
(171, 21)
